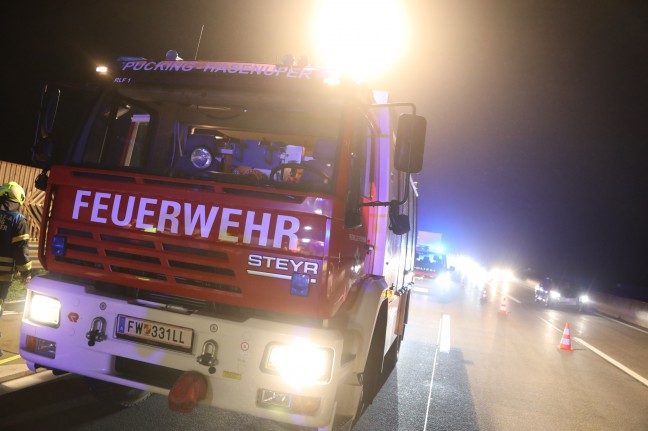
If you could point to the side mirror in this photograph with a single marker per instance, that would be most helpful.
(410, 143)
(398, 223)
(42, 152)
(43, 147)
(41, 181)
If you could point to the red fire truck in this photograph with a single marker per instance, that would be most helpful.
(232, 234)
(431, 262)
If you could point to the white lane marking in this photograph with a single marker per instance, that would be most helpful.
(549, 323)
(443, 338)
(427, 409)
(613, 361)
(610, 359)
(513, 298)
(11, 312)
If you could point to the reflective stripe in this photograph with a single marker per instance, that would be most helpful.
(6, 277)
(25, 267)
(6, 259)
(19, 238)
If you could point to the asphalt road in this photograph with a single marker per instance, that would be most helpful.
(463, 366)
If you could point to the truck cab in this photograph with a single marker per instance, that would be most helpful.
(224, 224)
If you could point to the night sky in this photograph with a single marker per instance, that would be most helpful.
(537, 110)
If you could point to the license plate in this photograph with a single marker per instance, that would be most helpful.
(154, 333)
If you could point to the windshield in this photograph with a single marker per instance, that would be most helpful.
(268, 140)
(431, 261)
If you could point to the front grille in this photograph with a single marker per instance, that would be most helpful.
(128, 241)
(197, 267)
(80, 262)
(157, 259)
(131, 256)
(138, 272)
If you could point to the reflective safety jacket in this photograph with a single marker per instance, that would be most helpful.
(14, 242)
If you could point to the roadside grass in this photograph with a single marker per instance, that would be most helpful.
(18, 289)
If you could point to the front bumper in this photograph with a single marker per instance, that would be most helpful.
(235, 379)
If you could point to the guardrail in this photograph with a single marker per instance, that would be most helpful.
(628, 310)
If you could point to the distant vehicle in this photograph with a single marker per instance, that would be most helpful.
(430, 262)
(561, 292)
(432, 275)
(483, 296)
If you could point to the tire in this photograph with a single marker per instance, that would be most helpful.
(372, 372)
(391, 359)
(406, 318)
(371, 377)
(115, 394)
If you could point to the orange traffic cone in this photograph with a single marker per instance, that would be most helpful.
(565, 342)
(502, 309)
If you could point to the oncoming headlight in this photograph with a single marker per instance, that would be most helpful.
(300, 363)
(554, 294)
(201, 158)
(584, 299)
(43, 309)
(505, 287)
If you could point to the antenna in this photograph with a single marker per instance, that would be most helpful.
(199, 39)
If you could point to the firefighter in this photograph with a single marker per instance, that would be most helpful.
(14, 239)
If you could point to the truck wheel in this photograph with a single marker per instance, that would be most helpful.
(406, 318)
(113, 393)
(371, 377)
(391, 358)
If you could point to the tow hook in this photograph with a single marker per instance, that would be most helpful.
(207, 356)
(187, 392)
(97, 331)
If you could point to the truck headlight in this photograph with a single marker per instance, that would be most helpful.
(584, 299)
(554, 294)
(43, 309)
(300, 362)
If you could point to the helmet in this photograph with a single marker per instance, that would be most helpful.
(13, 191)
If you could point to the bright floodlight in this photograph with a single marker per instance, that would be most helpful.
(360, 37)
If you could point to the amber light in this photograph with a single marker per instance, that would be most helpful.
(40, 346)
(291, 403)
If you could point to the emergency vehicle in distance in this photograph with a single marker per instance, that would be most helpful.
(431, 261)
(233, 234)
